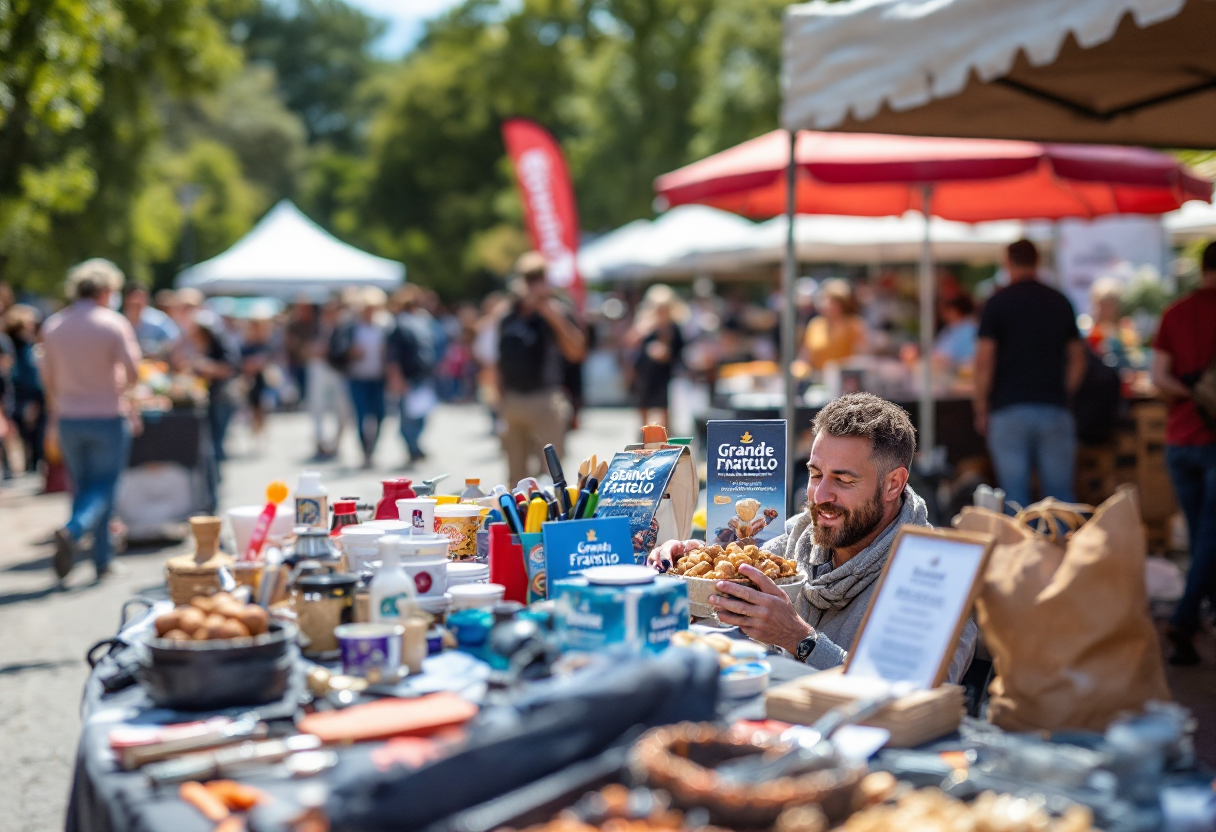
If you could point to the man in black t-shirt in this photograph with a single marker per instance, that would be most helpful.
(534, 337)
(1029, 361)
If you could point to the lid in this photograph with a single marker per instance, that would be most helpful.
(386, 526)
(363, 530)
(345, 506)
(472, 481)
(457, 510)
(309, 480)
(477, 591)
(624, 574)
(328, 581)
(467, 570)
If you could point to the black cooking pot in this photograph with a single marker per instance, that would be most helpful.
(214, 674)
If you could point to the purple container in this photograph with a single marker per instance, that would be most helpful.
(370, 650)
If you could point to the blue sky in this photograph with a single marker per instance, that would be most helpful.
(405, 18)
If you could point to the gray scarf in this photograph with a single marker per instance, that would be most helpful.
(835, 589)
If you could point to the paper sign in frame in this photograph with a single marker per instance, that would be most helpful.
(987, 541)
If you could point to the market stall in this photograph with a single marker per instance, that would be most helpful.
(492, 659)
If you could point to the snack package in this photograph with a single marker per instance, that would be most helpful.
(745, 481)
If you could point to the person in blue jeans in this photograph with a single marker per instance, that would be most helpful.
(1184, 347)
(1029, 361)
(361, 345)
(89, 364)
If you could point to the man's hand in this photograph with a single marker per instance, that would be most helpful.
(765, 614)
(664, 557)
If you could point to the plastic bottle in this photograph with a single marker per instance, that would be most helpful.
(472, 490)
(391, 594)
(312, 501)
(345, 514)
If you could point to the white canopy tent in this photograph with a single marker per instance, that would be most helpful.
(644, 247)
(1137, 72)
(696, 239)
(1194, 221)
(287, 255)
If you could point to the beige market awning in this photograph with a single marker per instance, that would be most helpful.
(1139, 72)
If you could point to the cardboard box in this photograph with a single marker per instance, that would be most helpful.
(745, 481)
(640, 618)
(656, 487)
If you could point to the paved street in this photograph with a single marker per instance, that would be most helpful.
(44, 632)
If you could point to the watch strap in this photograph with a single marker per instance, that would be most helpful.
(805, 647)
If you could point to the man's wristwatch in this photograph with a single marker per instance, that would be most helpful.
(806, 646)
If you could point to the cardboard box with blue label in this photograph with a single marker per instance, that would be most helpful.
(745, 481)
(655, 486)
(640, 617)
(574, 545)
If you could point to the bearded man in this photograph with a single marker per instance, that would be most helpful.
(857, 499)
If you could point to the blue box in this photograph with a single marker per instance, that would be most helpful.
(574, 545)
(640, 618)
(745, 481)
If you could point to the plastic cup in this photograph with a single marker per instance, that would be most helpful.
(418, 513)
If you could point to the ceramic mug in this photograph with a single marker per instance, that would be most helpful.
(419, 513)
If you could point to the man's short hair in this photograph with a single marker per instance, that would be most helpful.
(1022, 254)
(886, 425)
(92, 277)
(1208, 262)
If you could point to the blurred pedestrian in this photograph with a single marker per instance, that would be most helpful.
(29, 400)
(1030, 360)
(154, 330)
(838, 332)
(535, 335)
(955, 344)
(327, 390)
(361, 346)
(90, 364)
(1184, 371)
(257, 372)
(214, 358)
(1113, 335)
(658, 342)
(411, 368)
(299, 335)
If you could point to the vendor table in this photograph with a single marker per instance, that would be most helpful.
(171, 475)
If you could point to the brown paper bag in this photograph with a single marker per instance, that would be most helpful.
(1068, 625)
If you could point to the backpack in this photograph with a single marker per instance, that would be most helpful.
(524, 347)
(340, 344)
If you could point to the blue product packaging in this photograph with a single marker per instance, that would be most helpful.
(745, 481)
(640, 618)
(534, 561)
(574, 545)
(656, 489)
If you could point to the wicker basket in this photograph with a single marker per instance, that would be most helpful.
(188, 576)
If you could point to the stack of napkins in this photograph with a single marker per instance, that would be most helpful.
(917, 718)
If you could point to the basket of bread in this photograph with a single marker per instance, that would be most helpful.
(702, 569)
(217, 652)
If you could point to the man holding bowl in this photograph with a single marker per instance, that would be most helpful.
(857, 499)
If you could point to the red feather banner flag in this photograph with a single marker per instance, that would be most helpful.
(548, 197)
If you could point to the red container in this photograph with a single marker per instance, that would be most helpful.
(507, 563)
(394, 490)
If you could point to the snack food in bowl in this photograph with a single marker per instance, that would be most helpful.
(703, 568)
(212, 618)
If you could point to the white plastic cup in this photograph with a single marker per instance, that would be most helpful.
(424, 557)
(359, 543)
(418, 513)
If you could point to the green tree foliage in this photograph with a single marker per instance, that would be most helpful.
(321, 51)
(77, 80)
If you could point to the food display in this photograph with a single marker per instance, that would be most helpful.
(930, 810)
(212, 618)
(616, 808)
(718, 563)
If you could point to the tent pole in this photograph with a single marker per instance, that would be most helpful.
(789, 338)
(928, 318)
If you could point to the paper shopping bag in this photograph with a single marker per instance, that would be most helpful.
(1067, 621)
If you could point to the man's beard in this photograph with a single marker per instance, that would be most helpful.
(855, 525)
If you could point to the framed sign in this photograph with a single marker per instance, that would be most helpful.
(925, 594)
